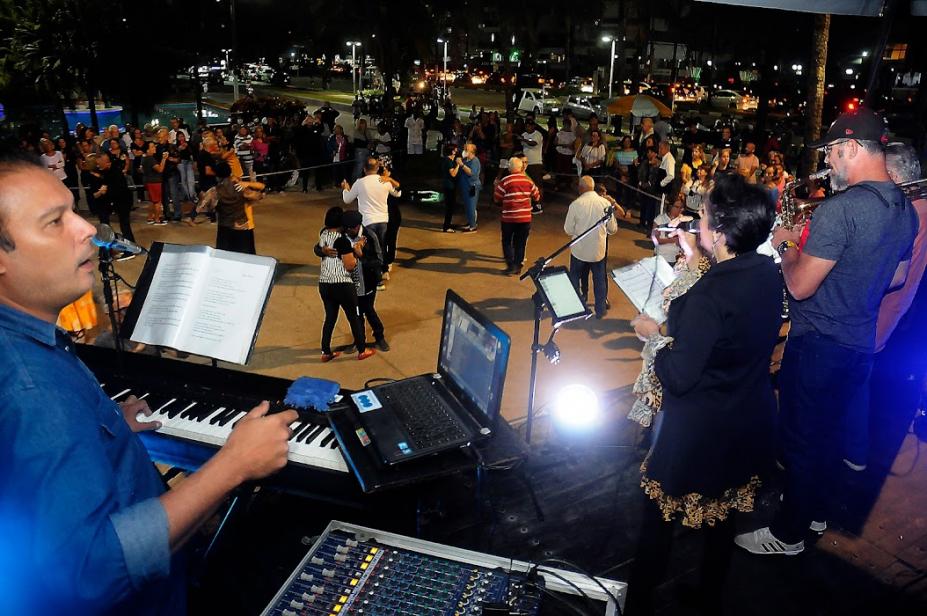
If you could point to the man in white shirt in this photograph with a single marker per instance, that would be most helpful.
(371, 193)
(588, 255)
(667, 167)
(748, 163)
(532, 144)
(176, 127)
(416, 127)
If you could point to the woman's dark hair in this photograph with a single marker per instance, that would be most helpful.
(449, 148)
(334, 217)
(222, 170)
(743, 212)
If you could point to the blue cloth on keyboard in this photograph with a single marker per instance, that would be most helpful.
(307, 392)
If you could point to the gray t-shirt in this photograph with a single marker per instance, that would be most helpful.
(867, 236)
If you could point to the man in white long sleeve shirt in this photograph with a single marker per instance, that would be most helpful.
(588, 255)
(371, 193)
(668, 166)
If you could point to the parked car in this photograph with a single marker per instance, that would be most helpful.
(726, 99)
(690, 93)
(535, 100)
(584, 106)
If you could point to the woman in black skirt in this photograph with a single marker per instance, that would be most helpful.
(713, 435)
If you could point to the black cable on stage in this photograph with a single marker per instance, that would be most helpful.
(578, 569)
(537, 569)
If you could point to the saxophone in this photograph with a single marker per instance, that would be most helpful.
(796, 212)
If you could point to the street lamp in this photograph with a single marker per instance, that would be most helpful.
(441, 40)
(611, 68)
(233, 49)
(354, 45)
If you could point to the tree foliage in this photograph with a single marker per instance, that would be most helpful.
(56, 52)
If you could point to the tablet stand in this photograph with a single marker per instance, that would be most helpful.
(550, 349)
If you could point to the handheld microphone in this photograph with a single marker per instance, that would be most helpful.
(107, 238)
(689, 226)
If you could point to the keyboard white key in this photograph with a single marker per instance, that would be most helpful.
(200, 430)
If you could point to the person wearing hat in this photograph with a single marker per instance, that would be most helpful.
(859, 247)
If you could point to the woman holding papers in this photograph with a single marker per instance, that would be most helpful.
(713, 436)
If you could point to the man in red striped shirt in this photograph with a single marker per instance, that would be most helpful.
(515, 192)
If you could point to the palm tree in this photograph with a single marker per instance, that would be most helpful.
(816, 83)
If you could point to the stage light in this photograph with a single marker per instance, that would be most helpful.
(576, 407)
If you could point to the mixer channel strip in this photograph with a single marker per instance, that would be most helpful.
(344, 575)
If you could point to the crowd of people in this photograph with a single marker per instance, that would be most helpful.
(851, 276)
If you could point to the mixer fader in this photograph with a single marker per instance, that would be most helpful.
(358, 571)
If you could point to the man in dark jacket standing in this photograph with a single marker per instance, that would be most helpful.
(369, 255)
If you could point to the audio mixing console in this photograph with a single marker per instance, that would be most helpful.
(353, 570)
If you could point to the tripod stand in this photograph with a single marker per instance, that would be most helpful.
(535, 272)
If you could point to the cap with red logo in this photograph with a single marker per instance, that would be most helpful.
(861, 124)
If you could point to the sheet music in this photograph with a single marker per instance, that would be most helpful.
(205, 301)
(644, 289)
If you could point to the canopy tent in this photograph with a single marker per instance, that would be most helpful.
(638, 105)
(865, 8)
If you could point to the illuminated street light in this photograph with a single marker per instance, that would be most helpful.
(611, 64)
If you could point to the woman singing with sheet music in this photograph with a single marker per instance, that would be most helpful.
(713, 434)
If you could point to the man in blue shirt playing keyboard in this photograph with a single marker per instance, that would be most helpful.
(86, 526)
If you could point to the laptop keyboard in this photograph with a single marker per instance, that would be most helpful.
(422, 413)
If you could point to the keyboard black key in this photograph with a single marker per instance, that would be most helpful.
(224, 414)
(303, 429)
(328, 439)
(228, 416)
(311, 435)
(174, 408)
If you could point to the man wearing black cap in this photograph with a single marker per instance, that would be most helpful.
(859, 247)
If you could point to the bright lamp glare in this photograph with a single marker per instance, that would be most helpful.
(577, 407)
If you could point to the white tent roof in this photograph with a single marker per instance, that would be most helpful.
(871, 8)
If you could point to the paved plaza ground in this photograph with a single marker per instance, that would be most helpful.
(863, 565)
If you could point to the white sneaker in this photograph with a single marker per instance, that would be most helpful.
(817, 527)
(854, 467)
(763, 542)
(386, 275)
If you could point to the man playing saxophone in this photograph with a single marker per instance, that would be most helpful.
(859, 247)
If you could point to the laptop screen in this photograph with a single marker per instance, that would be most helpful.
(473, 358)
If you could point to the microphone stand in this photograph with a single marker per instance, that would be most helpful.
(110, 279)
(534, 272)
